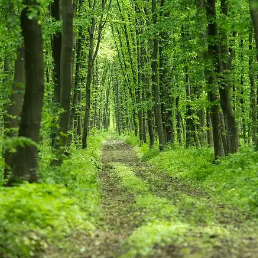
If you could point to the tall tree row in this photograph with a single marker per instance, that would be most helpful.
(172, 73)
(197, 95)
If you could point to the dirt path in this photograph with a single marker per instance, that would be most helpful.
(147, 213)
(119, 217)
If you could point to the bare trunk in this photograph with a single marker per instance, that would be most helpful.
(214, 54)
(56, 43)
(225, 102)
(155, 84)
(25, 162)
(66, 73)
(88, 86)
(15, 108)
(254, 16)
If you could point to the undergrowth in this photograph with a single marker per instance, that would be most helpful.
(164, 224)
(34, 217)
(233, 180)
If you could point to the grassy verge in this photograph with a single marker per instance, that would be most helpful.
(34, 217)
(234, 180)
(161, 224)
(186, 224)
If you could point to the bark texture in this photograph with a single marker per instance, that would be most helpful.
(66, 72)
(25, 164)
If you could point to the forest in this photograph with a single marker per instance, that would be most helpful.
(129, 128)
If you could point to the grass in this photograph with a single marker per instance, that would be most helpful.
(187, 222)
(217, 220)
(234, 180)
(34, 217)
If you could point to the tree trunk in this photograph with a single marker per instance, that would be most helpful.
(178, 122)
(149, 112)
(91, 58)
(25, 162)
(253, 93)
(88, 85)
(254, 15)
(214, 55)
(155, 83)
(225, 102)
(209, 128)
(189, 123)
(56, 43)
(56, 51)
(66, 74)
(12, 121)
(165, 76)
(76, 89)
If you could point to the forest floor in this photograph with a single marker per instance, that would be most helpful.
(147, 213)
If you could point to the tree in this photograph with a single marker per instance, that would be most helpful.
(215, 66)
(66, 75)
(25, 161)
(155, 82)
(91, 59)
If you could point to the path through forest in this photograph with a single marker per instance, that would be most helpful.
(147, 213)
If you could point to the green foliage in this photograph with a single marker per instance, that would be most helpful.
(194, 164)
(156, 232)
(12, 143)
(143, 150)
(129, 180)
(35, 215)
(233, 180)
(79, 175)
(236, 180)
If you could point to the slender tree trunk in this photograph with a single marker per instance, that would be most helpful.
(76, 89)
(25, 162)
(88, 85)
(12, 121)
(209, 128)
(201, 127)
(118, 127)
(231, 127)
(91, 58)
(190, 127)
(253, 93)
(56, 43)
(164, 77)
(134, 111)
(178, 122)
(149, 112)
(155, 83)
(214, 54)
(254, 15)
(202, 135)
(66, 73)
(144, 119)
(56, 51)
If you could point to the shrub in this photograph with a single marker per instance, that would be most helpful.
(35, 215)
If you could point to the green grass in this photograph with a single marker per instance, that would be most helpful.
(160, 216)
(233, 180)
(34, 217)
(164, 224)
(194, 224)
